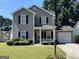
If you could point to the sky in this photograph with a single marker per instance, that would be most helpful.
(9, 6)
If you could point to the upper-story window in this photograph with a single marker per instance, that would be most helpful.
(23, 19)
(44, 20)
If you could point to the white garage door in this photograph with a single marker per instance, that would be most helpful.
(64, 37)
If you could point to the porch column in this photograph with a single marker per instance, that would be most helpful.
(40, 36)
(54, 35)
(33, 37)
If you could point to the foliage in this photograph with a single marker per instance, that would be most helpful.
(49, 5)
(5, 21)
(30, 41)
(65, 11)
(51, 43)
(45, 42)
(77, 38)
(9, 42)
(21, 43)
(16, 39)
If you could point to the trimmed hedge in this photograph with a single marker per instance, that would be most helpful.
(9, 42)
(30, 41)
(77, 38)
(45, 42)
(16, 39)
(19, 41)
(51, 43)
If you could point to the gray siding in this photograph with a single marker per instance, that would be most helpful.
(40, 13)
(20, 27)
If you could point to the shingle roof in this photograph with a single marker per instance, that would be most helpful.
(66, 28)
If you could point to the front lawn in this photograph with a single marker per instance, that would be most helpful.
(28, 52)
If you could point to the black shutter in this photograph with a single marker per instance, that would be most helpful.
(47, 20)
(26, 19)
(26, 35)
(45, 34)
(52, 34)
(40, 20)
(19, 34)
(18, 19)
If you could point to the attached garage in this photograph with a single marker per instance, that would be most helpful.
(65, 35)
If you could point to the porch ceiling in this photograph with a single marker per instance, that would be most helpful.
(45, 27)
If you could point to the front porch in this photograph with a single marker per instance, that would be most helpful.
(43, 34)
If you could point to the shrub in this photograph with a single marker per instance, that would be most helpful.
(30, 41)
(16, 39)
(24, 43)
(22, 39)
(9, 42)
(45, 42)
(21, 43)
(51, 43)
(77, 38)
(16, 43)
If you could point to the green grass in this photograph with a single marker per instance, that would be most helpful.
(28, 52)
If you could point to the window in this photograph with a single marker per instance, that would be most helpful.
(22, 34)
(44, 20)
(23, 19)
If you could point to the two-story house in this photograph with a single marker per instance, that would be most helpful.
(39, 25)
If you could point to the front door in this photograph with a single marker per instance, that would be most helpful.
(37, 39)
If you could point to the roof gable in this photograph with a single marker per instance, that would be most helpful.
(76, 24)
(21, 9)
(42, 10)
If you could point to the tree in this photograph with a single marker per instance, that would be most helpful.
(64, 11)
(5, 21)
(49, 5)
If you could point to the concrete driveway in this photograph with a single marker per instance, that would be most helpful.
(72, 50)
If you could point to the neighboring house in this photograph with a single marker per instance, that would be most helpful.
(4, 36)
(38, 24)
(76, 28)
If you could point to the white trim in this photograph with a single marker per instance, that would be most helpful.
(40, 36)
(33, 36)
(54, 35)
(22, 8)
